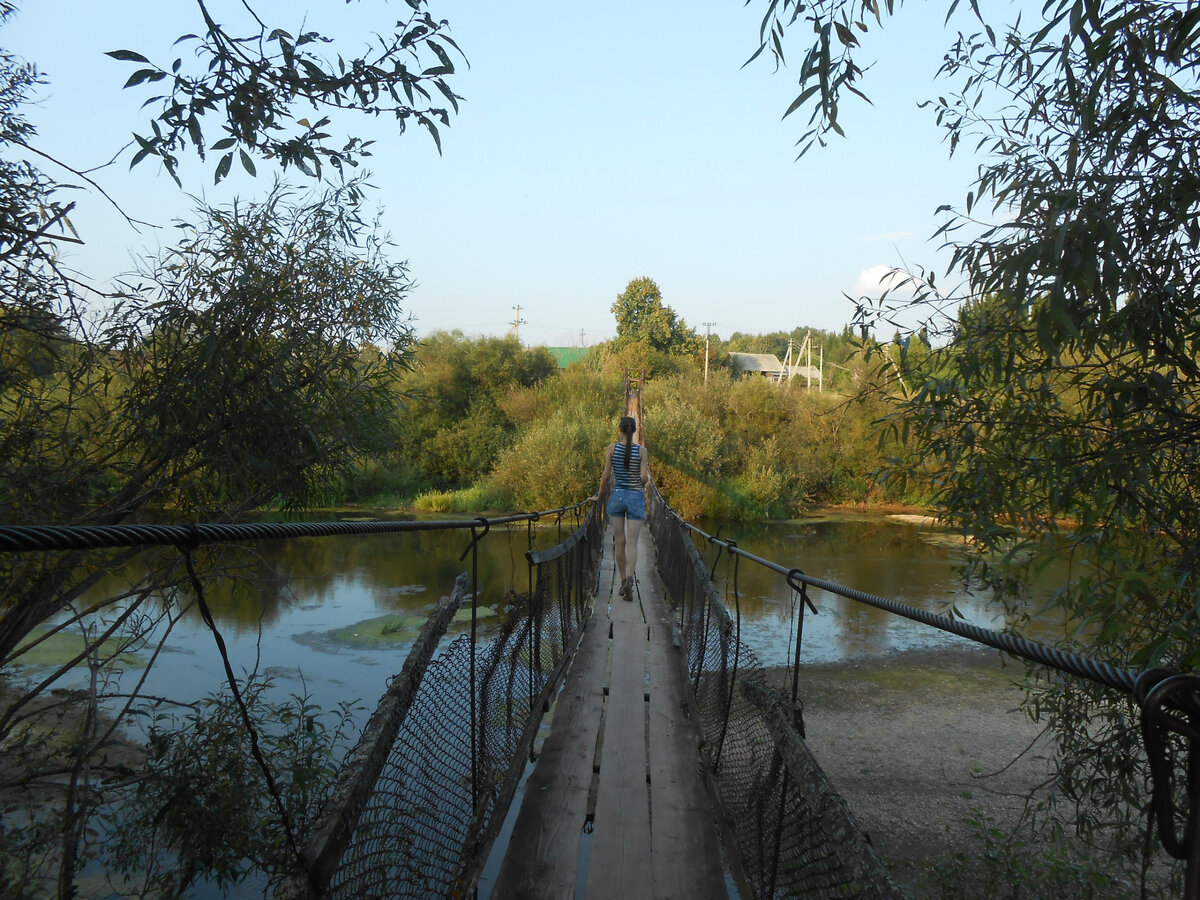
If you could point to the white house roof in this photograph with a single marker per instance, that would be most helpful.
(757, 362)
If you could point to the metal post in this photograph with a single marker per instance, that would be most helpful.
(474, 626)
(476, 739)
(532, 687)
(799, 639)
(707, 325)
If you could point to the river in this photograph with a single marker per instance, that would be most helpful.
(333, 617)
(896, 557)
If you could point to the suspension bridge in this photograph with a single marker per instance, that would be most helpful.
(590, 747)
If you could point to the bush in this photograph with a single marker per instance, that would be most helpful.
(685, 457)
(200, 809)
(556, 462)
(1037, 860)
(378, 483)
(591, 394)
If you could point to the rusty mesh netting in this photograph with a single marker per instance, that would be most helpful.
(424, 825)
(794, 834)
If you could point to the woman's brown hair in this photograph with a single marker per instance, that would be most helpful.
(627, 426)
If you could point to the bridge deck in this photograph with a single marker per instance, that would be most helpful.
(616, 806)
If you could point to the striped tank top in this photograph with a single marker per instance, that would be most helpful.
(627, 479)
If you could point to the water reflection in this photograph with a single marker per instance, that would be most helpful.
(405, 572)
(281, 605)
(914, 564)
(254, 584)
(287, 607)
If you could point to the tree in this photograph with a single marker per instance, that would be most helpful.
(643, 319)
(1064, 389)
(250, 364)
(453, 427)
(253, 81)
(234, 379)
(235, 373)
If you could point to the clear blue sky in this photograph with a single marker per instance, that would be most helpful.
(597, 143)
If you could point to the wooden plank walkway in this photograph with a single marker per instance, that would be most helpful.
(616, 806)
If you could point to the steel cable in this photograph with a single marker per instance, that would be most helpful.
(27, 538)
(1063, 660)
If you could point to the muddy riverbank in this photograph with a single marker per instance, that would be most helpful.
(920, 742)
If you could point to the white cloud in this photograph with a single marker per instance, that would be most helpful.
(874, 280)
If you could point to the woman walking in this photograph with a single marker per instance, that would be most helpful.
(627, 465)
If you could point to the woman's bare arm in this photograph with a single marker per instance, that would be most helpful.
(606, 474)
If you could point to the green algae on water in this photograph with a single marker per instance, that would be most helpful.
(63, 647)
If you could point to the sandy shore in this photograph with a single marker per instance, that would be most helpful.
(919, 742)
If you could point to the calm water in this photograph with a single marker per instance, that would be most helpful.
(914, 564)
(307, 612)
(333, 617)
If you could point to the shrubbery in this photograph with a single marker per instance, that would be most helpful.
(488, 426)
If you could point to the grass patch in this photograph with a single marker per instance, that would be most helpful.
(907, 678)
(463, 616)
(381, 631)
(391, 629)
(918, 678)
(476, 498)
(62, 647)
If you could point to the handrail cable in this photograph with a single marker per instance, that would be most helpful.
(24, 538)
(1074, 663)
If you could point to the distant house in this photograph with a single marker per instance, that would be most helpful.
(565, 356)
(767, 365)
(763, 365)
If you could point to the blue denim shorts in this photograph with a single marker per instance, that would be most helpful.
(630, 504)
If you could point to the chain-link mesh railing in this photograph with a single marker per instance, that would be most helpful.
(455, 760)
(794, 834)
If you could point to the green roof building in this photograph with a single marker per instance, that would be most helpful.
(565, 356)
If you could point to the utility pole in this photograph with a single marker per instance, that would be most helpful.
(517, 323)
(582, 342)
(707, 325)
(808, 343)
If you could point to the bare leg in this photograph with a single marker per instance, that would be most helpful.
(633, 528)
(618, 527)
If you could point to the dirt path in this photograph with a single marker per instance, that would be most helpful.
(919, 742)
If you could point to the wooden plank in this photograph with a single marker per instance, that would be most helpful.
(684, 838)
(620, 864)
(476, 855)
(657, 839)
(542, 856)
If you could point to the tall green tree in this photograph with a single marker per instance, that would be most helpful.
(1070, 394)
(643, 319)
